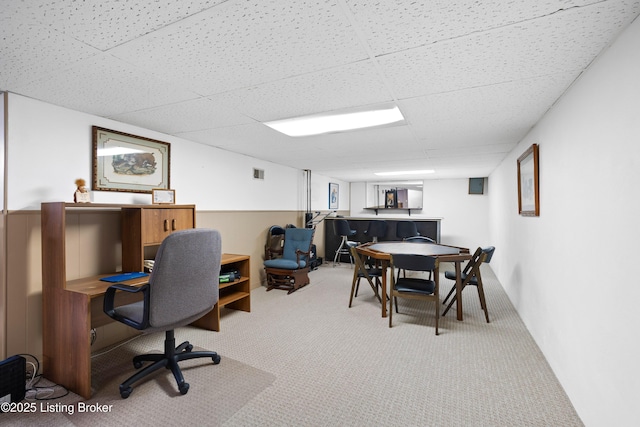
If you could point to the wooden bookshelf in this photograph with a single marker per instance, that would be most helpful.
(235, 295)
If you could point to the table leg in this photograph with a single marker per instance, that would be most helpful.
(458, 291)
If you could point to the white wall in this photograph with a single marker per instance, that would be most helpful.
(49, 147)
(570, 272)
(464, 216)
(320, 193)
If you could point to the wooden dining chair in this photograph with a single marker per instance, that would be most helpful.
(362, 271)
(413, 287)
(471, 276)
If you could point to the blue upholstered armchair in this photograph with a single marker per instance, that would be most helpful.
(290, 271)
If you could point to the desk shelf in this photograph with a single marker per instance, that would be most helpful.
(235, 295)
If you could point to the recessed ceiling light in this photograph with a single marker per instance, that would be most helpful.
(421, 172)
(337, 122)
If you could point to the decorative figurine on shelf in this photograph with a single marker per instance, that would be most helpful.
(82, 194)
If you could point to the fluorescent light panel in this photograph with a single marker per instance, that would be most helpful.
(420, 172)
(326, 123)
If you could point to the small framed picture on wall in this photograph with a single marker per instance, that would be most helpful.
(334, 195)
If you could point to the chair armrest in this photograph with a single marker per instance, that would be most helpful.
(299, 253)
(109, 309)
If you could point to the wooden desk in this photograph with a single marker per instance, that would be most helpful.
(382, 251)
(71, 308)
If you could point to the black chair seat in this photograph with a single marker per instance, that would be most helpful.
(375, 272)
(451, 275)
(417, 286)
(413, 287)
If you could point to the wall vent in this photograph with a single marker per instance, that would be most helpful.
(258, 173)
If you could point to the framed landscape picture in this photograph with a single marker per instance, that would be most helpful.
(129, 163)
(528, 183)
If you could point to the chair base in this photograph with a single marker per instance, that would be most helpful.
(289, 280)
(172, 355)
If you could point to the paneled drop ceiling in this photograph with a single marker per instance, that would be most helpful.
(471, 77)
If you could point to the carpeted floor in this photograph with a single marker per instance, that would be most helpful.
(307, 359)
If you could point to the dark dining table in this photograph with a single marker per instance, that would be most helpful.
(381, 252)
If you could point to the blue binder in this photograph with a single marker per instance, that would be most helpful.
(124, 276)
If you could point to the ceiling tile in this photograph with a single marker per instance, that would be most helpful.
(244, 43)
(194, 114)
(105, 23)
(563, 42)
(29, 51)
(483, 115)
(397, 25)
(104, 86)
(323, 91)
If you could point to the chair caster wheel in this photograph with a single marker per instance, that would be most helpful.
(125, 392)
(184, 388)
(189, 348)
(216, 359)
(137, 365)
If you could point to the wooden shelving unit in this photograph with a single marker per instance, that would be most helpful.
(235, 295)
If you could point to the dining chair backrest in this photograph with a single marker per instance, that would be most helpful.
(413, 262)
(489, 250)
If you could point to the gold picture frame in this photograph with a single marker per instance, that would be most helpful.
(129, 163)
(529, 182)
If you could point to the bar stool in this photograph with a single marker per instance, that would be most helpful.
(376, 229)
(342, 229)
(406, 229)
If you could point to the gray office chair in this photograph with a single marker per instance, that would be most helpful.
(182, 288)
